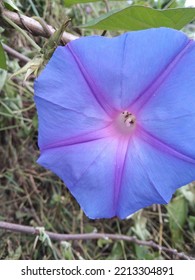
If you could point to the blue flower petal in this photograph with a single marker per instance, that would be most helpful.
(79, 95)
(59, 126)
(151, 174)
(66, 106)
(88, 169)
(123, 67)
(169, 114)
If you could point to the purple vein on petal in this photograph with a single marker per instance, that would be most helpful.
(119, 168)
(105, 132)
(162, 146)
(122, 68)
(168, 118)
(95, 159)
(69, 109)
(147, 175)
(96, 92)
(144, 97)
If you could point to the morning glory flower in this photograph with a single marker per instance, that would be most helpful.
(117, 117)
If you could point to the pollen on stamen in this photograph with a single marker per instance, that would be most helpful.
(125, 122)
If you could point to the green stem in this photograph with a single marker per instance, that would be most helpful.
(22, 32)
(34, 8)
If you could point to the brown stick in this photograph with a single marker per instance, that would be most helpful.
(16, 54)
(34, 26)
(92, 236)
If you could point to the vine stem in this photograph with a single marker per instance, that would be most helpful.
(34, 26)
(16, 54)
(107, 5)
(14, 25)
(91, 236)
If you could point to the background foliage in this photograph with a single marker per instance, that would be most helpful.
(31, 195)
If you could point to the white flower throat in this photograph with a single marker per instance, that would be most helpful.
(125, 122)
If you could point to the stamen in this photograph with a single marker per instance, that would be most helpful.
(126, 122)
(129, 119)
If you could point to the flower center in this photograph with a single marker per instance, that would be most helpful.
(126, 122)
(128, 119)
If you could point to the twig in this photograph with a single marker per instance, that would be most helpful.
(34, 26)
(16, 54)
(107, 5)
(18, 28)
(107, 10)
(92, 236)
(160, 224)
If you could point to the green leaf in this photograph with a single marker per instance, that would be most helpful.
(189, 193)
(140, 251)
(2, 58)
(177, 212)
(67, 250)
(3, 67)
(9, 4)
(117, 252)
(191, 222)
(103, 242)
(15, 254)
(3, 76)
(69, 3)
(140, 226)
(140, 17)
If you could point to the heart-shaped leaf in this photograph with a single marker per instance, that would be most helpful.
(140, 17)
